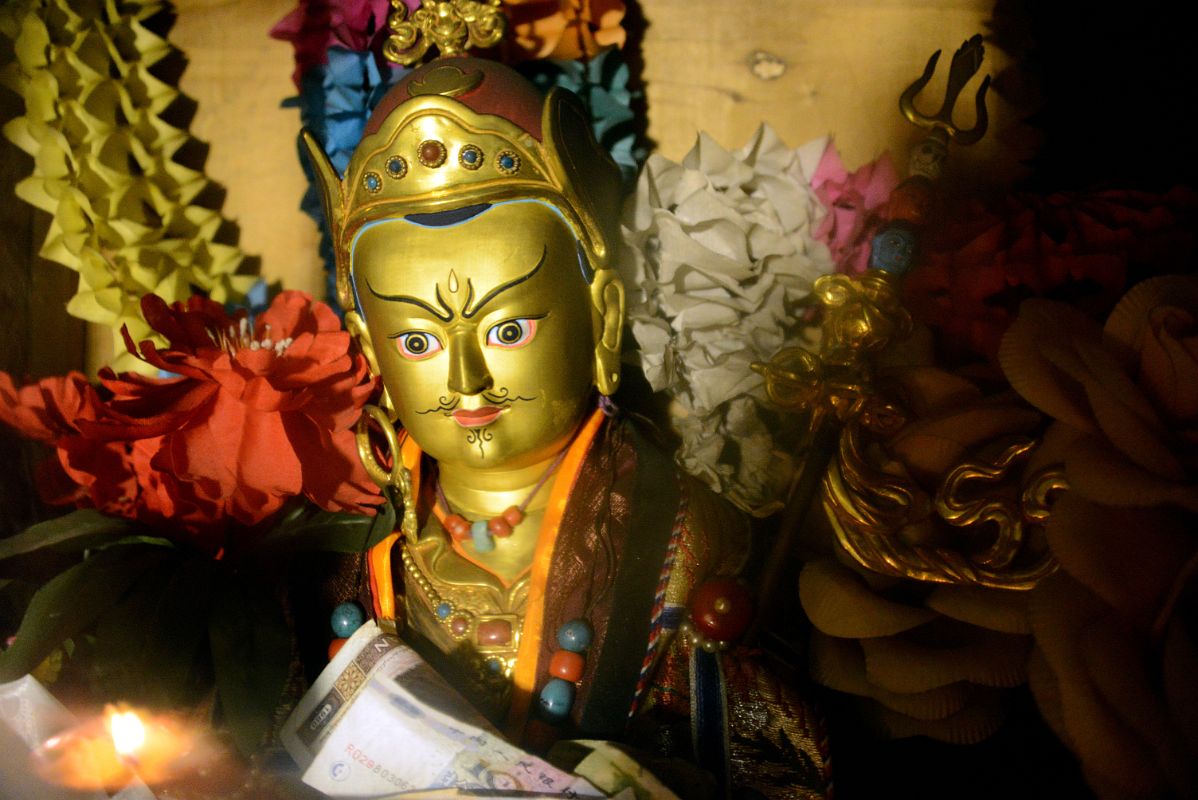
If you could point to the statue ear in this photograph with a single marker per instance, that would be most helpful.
(607, 300)
(331, 199)
(357, 328)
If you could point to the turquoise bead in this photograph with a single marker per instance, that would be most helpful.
(893, 249)
(483, 543)
(556, 698)
(444, 610)
(346, 619)
(575, 635)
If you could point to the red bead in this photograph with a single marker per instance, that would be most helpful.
(494, 631)
(499, 526)
(457, 526)
(513, 516)
(335, 647)
(459, 625)
(911, 201)
(721, 610)
(567, 666)
(432, 153)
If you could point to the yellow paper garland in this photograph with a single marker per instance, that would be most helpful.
(123, 209)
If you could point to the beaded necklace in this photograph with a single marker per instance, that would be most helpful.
(522, 668)
(483, 531)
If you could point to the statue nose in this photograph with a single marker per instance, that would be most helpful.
(468, 372)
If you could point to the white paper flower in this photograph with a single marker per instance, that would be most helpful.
(719, 257)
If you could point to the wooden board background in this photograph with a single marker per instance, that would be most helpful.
(808, 67)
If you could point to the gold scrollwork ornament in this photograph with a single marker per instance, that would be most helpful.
(861, 315)
(452, 26)
(979, 519)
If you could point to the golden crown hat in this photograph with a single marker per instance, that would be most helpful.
(462, 131)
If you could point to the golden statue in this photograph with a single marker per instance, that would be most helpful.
(550, 552)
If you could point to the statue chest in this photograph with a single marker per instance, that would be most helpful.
(465, 611)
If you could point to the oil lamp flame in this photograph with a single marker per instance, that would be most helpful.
(110, 749)
(128, 733)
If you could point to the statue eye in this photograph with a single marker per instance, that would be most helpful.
(513, 333)
(417, 345)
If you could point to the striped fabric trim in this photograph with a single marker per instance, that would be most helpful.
(664, 619)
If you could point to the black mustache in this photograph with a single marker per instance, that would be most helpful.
(501, 399)
(443, 404)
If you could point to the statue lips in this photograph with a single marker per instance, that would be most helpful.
(477, 417)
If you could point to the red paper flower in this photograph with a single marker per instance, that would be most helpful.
(1072, 247)
(258, 413)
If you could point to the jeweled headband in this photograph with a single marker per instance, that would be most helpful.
(462, 131)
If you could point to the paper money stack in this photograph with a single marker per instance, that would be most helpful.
(379, 722)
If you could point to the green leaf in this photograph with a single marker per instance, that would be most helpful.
(251, 656)
(71, 601)
(15, 595)
(155, 541)
(147, 644)
(74, 532)
(329, 531)
(382, 525)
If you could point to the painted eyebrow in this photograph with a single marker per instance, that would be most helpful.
(503, 287)
(447, 316)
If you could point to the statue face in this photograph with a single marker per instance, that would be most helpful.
(484, 332)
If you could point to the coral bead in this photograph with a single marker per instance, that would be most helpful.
(335, 647)
(513, 516)
(721, 610)
(499, 527)
(567, 665)
(346, 619)
(494, 632)
(457, 526)
(911, 201)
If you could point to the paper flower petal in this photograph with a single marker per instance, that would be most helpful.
(718, 261)
(92, 106)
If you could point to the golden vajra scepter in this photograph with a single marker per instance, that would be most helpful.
(835, 387)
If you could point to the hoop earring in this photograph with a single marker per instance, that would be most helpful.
(395, 480)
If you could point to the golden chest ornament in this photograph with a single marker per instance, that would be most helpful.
(455, 605)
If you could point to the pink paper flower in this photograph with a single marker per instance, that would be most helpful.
(854, 201)
(316, 25)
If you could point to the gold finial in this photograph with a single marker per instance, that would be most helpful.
(453, 26)
(966, 62)
(928, 158)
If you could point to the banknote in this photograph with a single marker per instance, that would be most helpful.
(379, 721)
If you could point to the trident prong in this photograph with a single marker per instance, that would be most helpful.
(966, 62)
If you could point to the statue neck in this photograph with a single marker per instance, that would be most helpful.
(483, 493)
